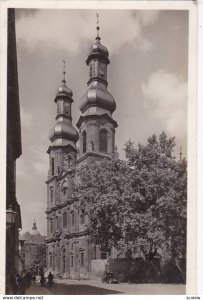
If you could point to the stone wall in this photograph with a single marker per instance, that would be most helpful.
(97, 268)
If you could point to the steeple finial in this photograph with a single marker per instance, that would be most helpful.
(98, 37)
(64, 72)
(181, 153)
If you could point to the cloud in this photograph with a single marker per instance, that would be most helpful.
(40, 159)
(26, 118)
(71, 30)
(165, 97)
(40, 167)
(22, 171)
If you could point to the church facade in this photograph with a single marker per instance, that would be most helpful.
(69, 251)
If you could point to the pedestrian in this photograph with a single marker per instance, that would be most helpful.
(22, 283)
(33, 279)
(28, 278)
(18, 282)
(50, 279)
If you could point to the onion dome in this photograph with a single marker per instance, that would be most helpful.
(97, 49)
(63, 129)
(63, 90)
(97, 95)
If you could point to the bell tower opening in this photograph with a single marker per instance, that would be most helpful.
(52, 166)
(103, 141)
(84, 142)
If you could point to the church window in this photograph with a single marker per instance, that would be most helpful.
(51, 194)
(50, 260)
(52, 166)
(73, 218)
(65, 219)
(103, 140)
(84, 142)
(64, 264)
(57, 222)
(51, 226)
(71, 260)
(82, 218)
(90, 70)
(82, 259)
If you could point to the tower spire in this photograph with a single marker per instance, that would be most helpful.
(64, 72)
(98, 28)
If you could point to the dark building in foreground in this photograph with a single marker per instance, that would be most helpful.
(14, 150)
(69, 251)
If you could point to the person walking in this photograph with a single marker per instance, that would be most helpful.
(28, 278)
(50, 279)
(33, 279)
(22, 283)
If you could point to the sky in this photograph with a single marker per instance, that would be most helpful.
(147, 76)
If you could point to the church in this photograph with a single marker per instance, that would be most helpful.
(70, 254)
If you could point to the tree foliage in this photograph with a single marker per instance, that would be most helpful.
(138, 202)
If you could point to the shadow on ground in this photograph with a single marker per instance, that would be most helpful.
(74, 289)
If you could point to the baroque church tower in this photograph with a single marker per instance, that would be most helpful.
(70, 252)
(96, 125)
(63, 136)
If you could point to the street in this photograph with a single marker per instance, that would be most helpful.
(90, 287)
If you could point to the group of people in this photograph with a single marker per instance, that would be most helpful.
(20, 283)
(50, 279)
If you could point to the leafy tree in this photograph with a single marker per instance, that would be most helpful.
(138, 202)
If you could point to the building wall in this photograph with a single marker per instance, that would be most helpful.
(13, 152)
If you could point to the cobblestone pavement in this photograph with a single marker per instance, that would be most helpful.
(91, 287)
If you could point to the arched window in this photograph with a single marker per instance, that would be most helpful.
(82, 218)
(64, 264)
(50, 260)
(103, 141)
(65, 219)
(57, 223)
(84, 142)
(51, 226)
(51, 194)
(73, 219)
(52, 166)
(82, 259)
